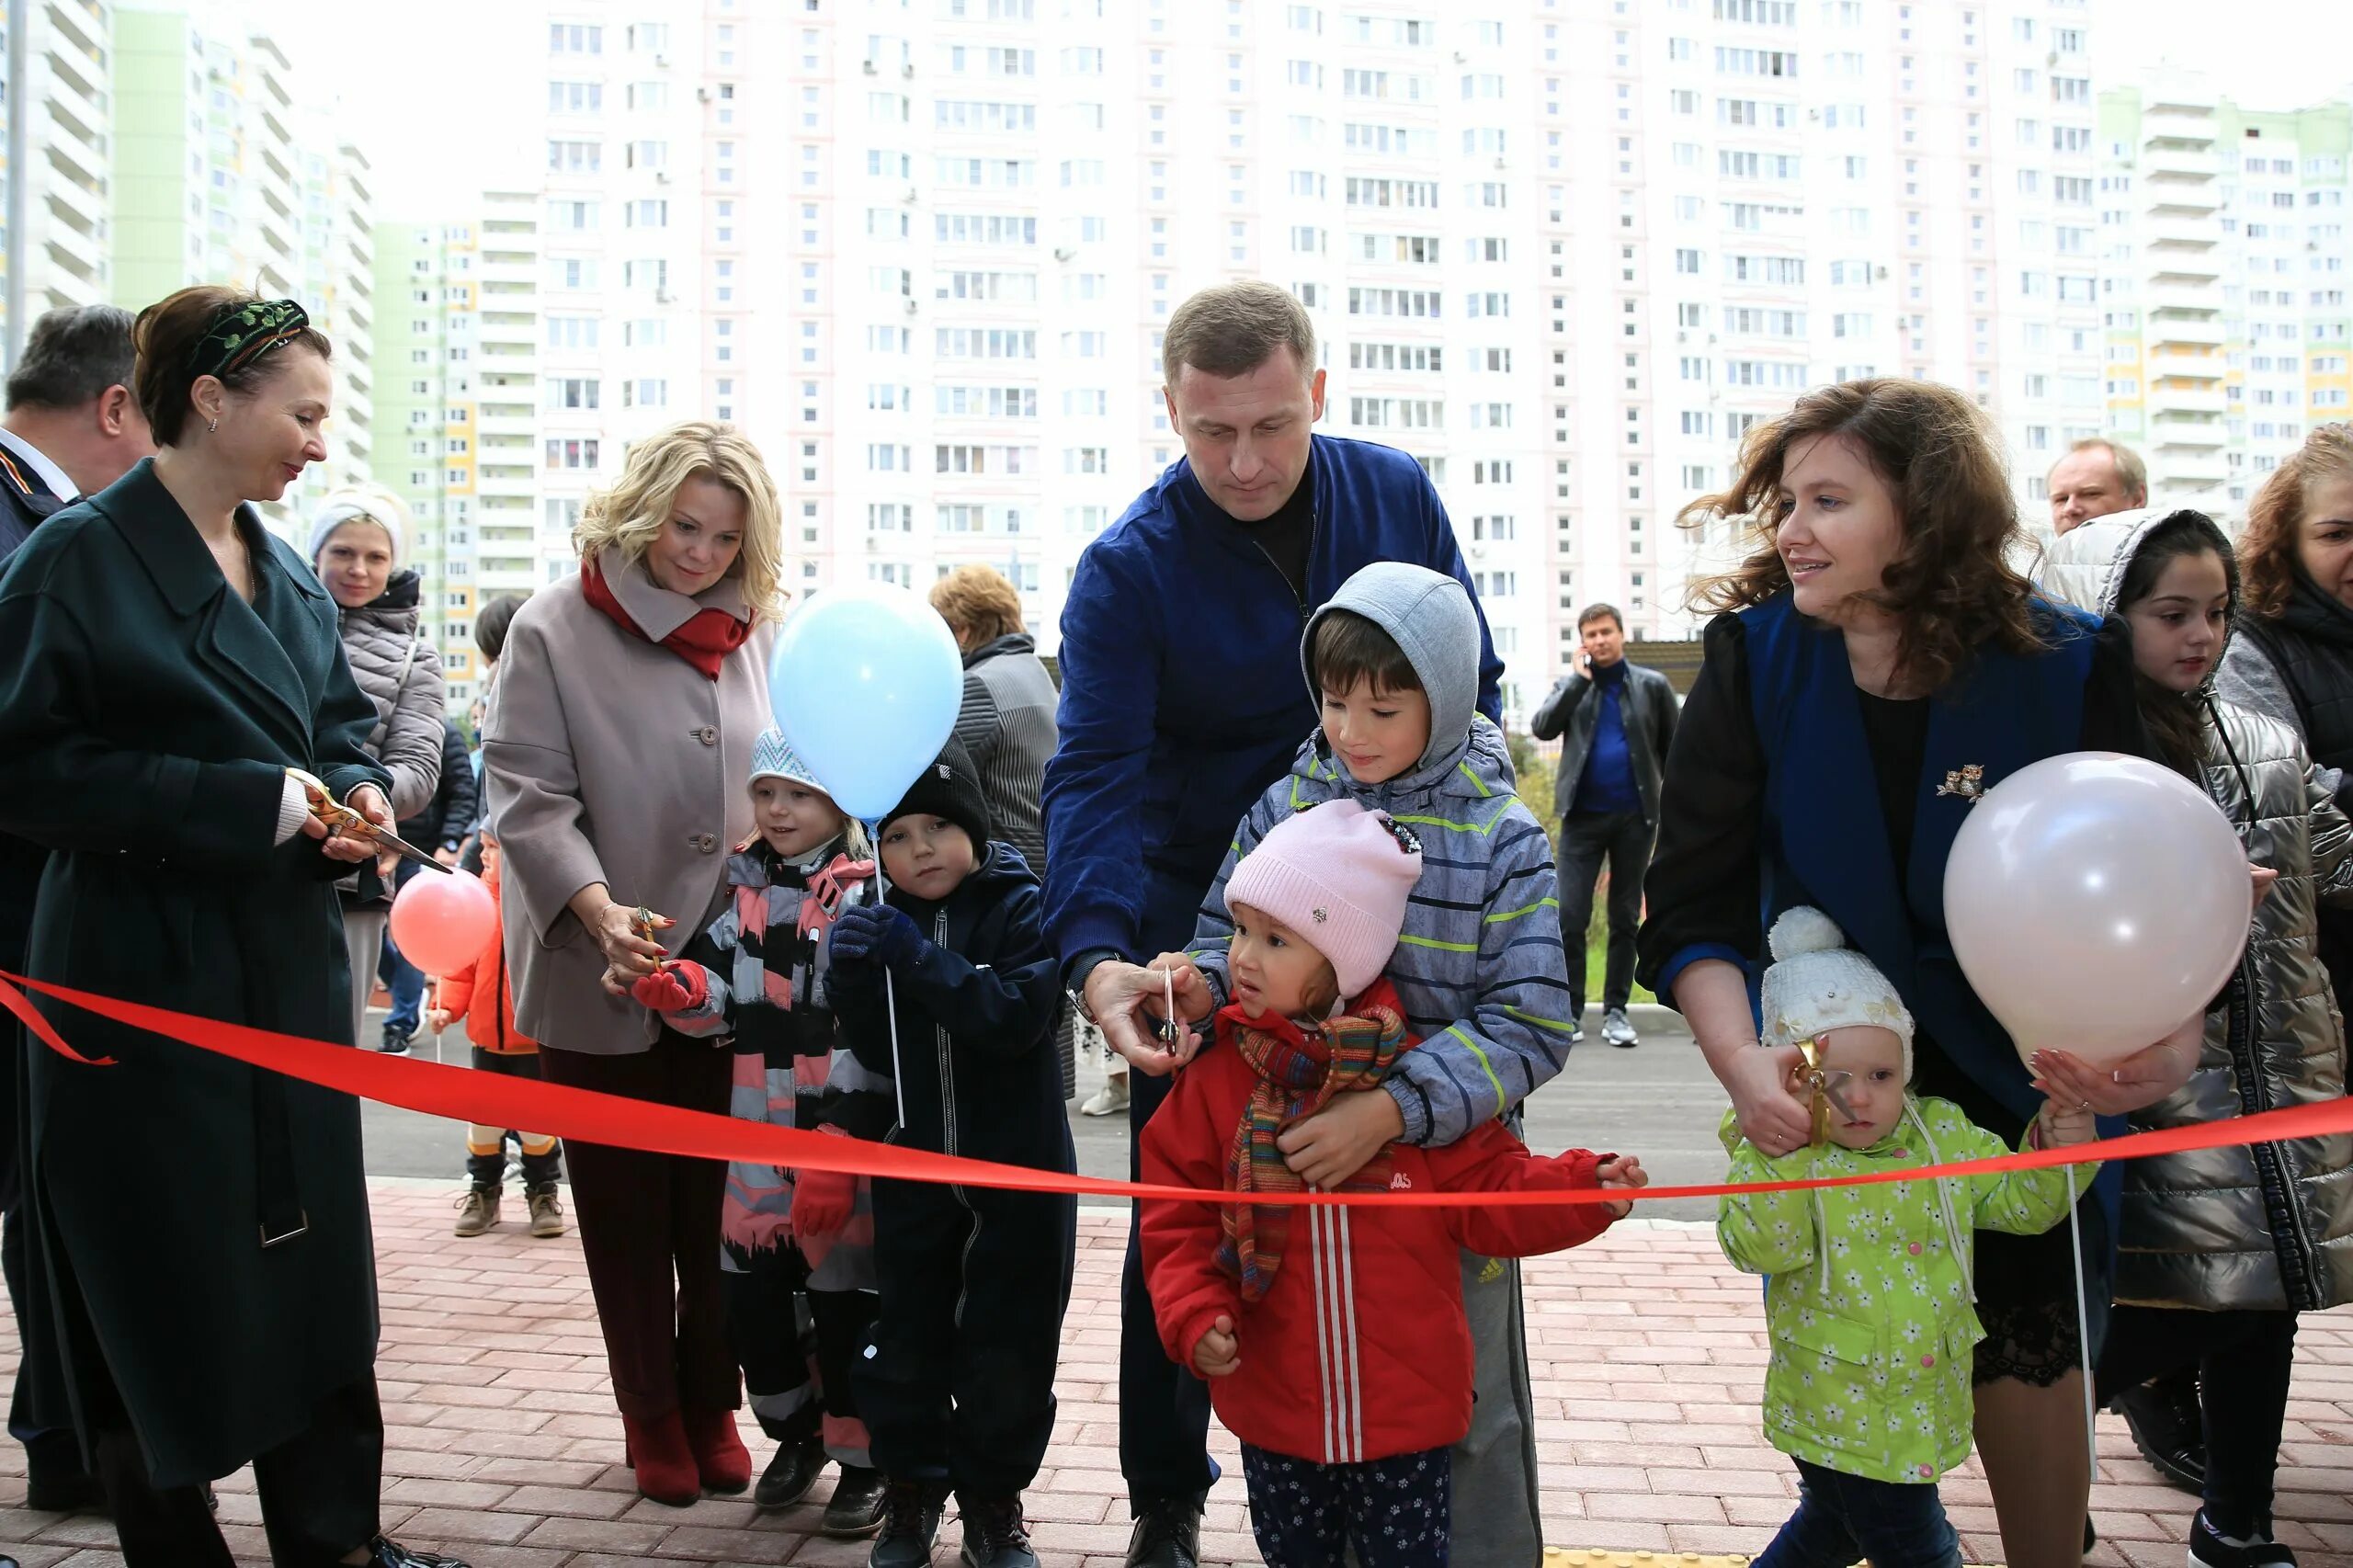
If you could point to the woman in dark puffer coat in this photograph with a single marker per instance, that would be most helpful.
(356, 540)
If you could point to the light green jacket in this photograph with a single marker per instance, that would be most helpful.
(1867, 1297)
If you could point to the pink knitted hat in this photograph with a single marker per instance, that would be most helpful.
(1339, 876)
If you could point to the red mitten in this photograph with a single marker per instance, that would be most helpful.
(823, 1200)
(673, 988)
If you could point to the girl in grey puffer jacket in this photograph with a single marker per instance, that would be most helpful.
(356, 540)
(2244, 1237)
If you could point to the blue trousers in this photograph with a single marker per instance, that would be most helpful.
(1843, 1518)
(1395, 1512)
(403, 979)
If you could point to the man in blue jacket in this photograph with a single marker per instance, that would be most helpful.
(1181, 702)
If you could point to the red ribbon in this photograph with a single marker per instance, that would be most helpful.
(492, 1099)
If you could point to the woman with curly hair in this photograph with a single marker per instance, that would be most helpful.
(1876, 664)
(615, 750)
(2293, 656)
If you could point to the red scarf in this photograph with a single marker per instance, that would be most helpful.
(704, 642)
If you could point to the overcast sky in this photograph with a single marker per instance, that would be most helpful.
(446, 92)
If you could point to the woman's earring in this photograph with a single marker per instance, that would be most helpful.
(212, 425)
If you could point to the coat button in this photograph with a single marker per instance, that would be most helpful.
(1914, 1249)
(708, 735)
(1928, 1471)
(706, 842)
(1927, 1361)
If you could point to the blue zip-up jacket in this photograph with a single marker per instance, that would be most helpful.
(1180, 700)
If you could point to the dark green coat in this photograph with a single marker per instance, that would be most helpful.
(147, 715)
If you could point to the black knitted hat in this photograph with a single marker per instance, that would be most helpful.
(949, 788)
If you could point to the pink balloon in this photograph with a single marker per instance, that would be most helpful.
(442, 924)
(2096, 903)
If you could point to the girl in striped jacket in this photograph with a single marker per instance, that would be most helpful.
(799, 1269)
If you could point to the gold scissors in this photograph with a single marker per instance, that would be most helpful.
(1824, 1087)
(344, 819)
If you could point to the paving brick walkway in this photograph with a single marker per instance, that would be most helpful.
(1648, 1352)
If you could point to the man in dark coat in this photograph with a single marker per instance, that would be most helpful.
(72, 427)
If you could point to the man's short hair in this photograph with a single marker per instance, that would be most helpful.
(1349, 648)
(1233, 328)
(491, 623)
(74, 355)
(2132, 473)
(1594, 612)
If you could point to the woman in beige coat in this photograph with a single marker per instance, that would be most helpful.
(614, 750)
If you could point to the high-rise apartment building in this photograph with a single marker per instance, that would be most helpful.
(459, 411)
(1566, 255)
(225, 172)
(68, 177)
(2225, 282)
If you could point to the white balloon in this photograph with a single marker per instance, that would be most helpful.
(2096, 901)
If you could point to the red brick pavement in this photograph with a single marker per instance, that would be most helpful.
(1647, 1351)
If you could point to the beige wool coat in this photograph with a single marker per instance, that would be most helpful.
(609, 758)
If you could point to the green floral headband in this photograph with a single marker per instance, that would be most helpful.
(242, 333)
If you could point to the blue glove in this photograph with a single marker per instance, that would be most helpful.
(877, 932)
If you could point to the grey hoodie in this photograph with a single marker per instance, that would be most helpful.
(1479, 966)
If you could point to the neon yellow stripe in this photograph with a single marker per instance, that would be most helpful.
(1503, 1102)
(1554, 1023)
(1405, 941)
(1465, 765)
(1482, 829)
(1525, 909)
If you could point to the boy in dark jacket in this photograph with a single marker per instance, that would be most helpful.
(956, 1386)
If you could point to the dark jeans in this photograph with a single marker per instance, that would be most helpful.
(1392, 1513)
(402, 978)
(649, 1232)
(1164, 1408)
(2244, 1359)
(318, 1492)
(1843, 1518)
(1589, 840)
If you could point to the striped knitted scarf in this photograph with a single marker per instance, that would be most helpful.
(1296, 1077)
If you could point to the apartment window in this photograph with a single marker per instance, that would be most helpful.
(571, 453)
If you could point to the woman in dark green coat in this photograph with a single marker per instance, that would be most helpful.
(204, 1267)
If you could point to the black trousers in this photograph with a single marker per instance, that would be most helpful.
(958, 1383)
(1164, 1407)
(1590, 840)
(318, 1492)
(2244, 1359)
(797, 1348)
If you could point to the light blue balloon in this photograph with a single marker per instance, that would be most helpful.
(865, 681)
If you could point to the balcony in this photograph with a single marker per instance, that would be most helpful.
(2168, 160)
(2177, 121)
(2181, 365)
(2174, 427)
(2178, 474)
(2181, 300)
(2203, 332)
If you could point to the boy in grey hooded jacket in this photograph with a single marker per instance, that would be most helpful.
(1479, 969)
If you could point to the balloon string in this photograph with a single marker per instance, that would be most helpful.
(2083, 1329)
(889, 993)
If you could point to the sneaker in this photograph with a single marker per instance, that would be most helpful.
(911, 1512)
(995, 1535)
(1167, 1533)
(1109, 1100)
(1618, 1029)
(383, 1553)
(477, 1210)
(1576, 1034)
(2168, 1429)
(394, 1042)
(854, 1510)
(791, 1474)
(2210, 1549)
(546, 1212)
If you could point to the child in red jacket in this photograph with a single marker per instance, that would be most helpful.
(1347, 1323)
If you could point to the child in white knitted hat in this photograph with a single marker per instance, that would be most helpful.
(1349, 1320)
(1870, 1295)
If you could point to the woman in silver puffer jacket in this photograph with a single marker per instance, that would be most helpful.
(356, 540)
(2221, 1247)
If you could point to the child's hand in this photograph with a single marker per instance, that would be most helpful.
(821, 1203)
(880, 933)
(436, 1019)
(2066, 1126)
(1218, 1353)
(1620, 1171)
(673, 988)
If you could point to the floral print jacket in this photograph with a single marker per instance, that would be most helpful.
(1867, 1299)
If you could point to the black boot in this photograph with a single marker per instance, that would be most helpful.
(2168, 1429)
(790, 1473)
(854, 1510)
(1167, 1533)
(911, 1512)
(383, 1553)
(995, 1534)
